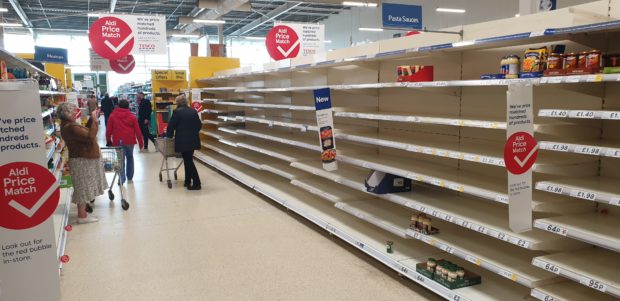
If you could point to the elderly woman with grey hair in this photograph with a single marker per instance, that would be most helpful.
(87, 172)
(185, 126)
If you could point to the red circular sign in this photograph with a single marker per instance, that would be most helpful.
(30, 195)
(520, 152)
(123, 65)
(282, 43)
(197, 105)
(111, 38)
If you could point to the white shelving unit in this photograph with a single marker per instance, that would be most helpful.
(447, 136)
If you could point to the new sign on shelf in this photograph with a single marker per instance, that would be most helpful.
(289, 40)
(325, 123)
(520, 152)
(30, 195)
(116, 36)
(402, 15)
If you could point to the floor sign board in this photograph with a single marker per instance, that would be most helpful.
(30, 195)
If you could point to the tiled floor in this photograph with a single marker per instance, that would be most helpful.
(222, 243)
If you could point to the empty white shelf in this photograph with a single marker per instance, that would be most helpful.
(266, 106)
(290, 139)
(598, 189)
(593, 267)
(587, 147)
(220, 123)
(599, 229)
(320, 187)
(438, 120)
(284, 170)
(568, 291)
(580, 114)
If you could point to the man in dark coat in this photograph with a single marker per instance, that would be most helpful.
(107, 106)
(185, 126)
(144, 119)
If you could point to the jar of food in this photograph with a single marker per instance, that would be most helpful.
(555, 61)
(502, 68)
(414, 222)
(388, 246)
(512, 66)
(593, 60)
(431, 263)
(613, 61)
(570, 62)
(452, 275)
(444, 272)
(460, 273)
(438, 270)
(581, 61)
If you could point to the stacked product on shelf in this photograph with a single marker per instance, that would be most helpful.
(447, 136)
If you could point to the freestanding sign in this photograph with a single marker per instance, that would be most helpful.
(402, 15)
(114, 37)
(196, 101)
(520, 152)
(325, 122)
(30, 195)
(289, 40)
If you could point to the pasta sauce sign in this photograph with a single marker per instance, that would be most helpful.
(289, 40)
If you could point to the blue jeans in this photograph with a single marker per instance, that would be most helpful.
(128, 170)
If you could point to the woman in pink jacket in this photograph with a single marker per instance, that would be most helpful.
(123, 130)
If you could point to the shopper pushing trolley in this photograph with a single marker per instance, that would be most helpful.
(185, 126)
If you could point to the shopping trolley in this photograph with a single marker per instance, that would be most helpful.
(114, 162)
(166, 147)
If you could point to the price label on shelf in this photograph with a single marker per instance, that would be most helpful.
(457, 187)
(553, 113)
(455, 155)
(555, 229)
(330, 228)
(437, 182)
(519, 242)
(546, 266)
(611, 115)
(537, 34)
(542, 296)
(413, 234)
(582, 114)
(558, 147)
(506, 274)
(588, 150)
(573, 78)
(501, 198)
(413, 148)
(613, 152)
(555, 79)
(586, 195)
(428, 240)
(615, 201)
(595, 284)
(473, 259)
(550, 188)
(446, 248)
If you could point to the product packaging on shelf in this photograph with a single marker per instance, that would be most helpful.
(381, 183)
(448, 274)
(415, 73)
(422, 223)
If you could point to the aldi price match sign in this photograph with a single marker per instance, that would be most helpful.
(520, 152)
(30, 194)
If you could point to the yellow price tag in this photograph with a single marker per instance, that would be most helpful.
(514, 277)
(598, 78)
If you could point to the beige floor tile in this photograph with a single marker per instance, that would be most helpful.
(223, 243)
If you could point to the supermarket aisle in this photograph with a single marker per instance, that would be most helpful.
(223, 243)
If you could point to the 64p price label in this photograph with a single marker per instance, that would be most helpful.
(557, 230)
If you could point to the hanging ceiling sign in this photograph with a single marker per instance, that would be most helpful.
(402, 15)
(97, 63)
(289, 40)
(123, 65)
(51, 55)
(116, 36)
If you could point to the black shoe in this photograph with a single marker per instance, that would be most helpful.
(194, 187)
(89, 208)
(186, 184)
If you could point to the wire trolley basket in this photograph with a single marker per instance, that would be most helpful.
(165, 146)
(114, 162)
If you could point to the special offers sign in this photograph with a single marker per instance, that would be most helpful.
(289, 40)
(29, 197)
(116, 36)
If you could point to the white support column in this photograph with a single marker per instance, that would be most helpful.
(528, 7)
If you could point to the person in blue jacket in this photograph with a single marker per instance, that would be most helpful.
(184, 126)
